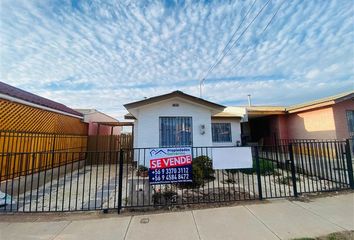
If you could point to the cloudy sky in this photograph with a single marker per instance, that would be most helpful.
(102, 54)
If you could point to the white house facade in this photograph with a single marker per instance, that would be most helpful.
(178, 119)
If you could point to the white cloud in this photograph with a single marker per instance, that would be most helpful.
(103, 54)
(312, 74)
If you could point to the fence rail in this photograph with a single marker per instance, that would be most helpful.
(118, 179)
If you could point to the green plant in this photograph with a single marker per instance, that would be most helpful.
(232, 171)
(142, 168)
(266, 168)
(286, 180)
(229, 181)
(163, 197)
(142, 171)
(202, 171)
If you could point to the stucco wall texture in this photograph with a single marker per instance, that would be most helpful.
(104, 129)
(321, 123)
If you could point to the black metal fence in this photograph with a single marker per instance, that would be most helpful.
(100, 180)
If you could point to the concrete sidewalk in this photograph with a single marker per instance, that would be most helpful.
(279, 219)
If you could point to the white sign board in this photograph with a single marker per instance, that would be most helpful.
(232, 157)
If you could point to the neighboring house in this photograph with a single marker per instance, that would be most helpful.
(178, 119)
(33, 124)
(327, 118)
(27, 112)
(100, 123)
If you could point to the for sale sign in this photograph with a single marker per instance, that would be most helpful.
(170, 165)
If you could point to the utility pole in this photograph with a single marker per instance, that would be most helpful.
(201, 88)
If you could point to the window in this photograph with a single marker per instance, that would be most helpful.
(221, 132)
(175, 131)
(350, 118)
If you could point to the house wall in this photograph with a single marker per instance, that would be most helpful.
(322, 123)
(312, 124)
(235, 130)
(20, 117)
(147, 127)
(340, 118)
(91, 118)
(282, 127)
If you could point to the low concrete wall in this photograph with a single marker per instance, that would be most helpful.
(21, 184)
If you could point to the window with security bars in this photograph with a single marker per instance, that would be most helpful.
(221, 132)
(175, 131)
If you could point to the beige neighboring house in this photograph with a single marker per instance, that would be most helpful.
(327, 118)
(100, 123)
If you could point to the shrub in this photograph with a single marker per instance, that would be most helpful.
(266, 168)
(167, 197)
(202, 171)
(142, 168)
(287, 180)
(232, 171)
(142, 171)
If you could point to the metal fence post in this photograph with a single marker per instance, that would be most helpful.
(258, 170)
(293, 172)
(349, 163)
(120, 180)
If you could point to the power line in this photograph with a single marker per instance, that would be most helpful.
(226, 46)
(264, 29)
(239, 26)
(234, 43)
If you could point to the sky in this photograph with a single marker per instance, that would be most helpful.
(103, 54)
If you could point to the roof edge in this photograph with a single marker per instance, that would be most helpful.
(321, 102)
(171, 95)
(20, 101)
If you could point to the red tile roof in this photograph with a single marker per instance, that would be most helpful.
(35, 99)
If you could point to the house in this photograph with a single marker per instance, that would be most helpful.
(33, 124)
(25, 111)
(100, 123)
(178, 119)
(326, 118)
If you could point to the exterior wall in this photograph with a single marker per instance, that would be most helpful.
(283, 127)
(90, 118)
(19, 117)
(340, 118)
(312, 124)
(235, 131)
(278, 128)
(146, 132)
(136, 133)
(321, 123)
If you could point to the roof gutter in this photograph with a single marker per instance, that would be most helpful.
(13, 99)
(310, 107)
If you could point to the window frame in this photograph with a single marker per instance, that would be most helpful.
(212, 132)
(175, 117)
(350, 120)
